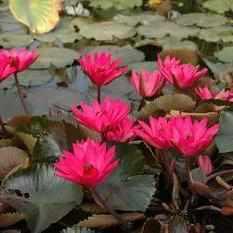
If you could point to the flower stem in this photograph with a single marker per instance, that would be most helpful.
(188, 170)
(99, 199)
(99, 94)
(21, 94)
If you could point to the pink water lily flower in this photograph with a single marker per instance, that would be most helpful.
(6, 68)
(182, 75)
(89, 164)
(101, 67)
(122, 132)
(156, 132)
(146, 83)
(191, 137)
(101, 116)
(166, 65)
(20, 58)
(206, 94)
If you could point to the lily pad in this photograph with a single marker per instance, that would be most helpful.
(59, 57)
(133, 194)
(117, 4)
(8, 24)
(217, 34)
(225, 55)
(39, 15)
(12, 40)
(201, 20)
(219, 6)
(105, 31)
(174, 43)
(12, 158)
(45, 204)
(133, 20)
(63, 33)
(148, 65)
(127, 54)
(34, 78)
(162, 29)
(166, 103)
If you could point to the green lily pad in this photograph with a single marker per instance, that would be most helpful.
(219, 6)
(174, 43)
(45, 204)
(225, 55)
(201, 20)
(63, 33)
(59, 57)
(132, 194)
(148, 65)
(217, 34)
(162, 29)
(8, 24)
(105, 31)
(12, 40)
(117, 4)
(33, 78)
(133, 20)
(127, 54)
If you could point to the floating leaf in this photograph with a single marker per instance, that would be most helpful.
(217, 34)
(171, 42)
(105, 31)
(35, 78)
(225, 55)
(202, 20)
(127, 54)
(63, 33)
(11, 159)
(132, 160)
(46, 150)
(43, 203)
(133, 20)
(166, 103)
(148, 65)
(39, 15)
(162, 29)
(219, 6)
(118, 4)
(12, 40)
(131, 194)
(59, 57)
